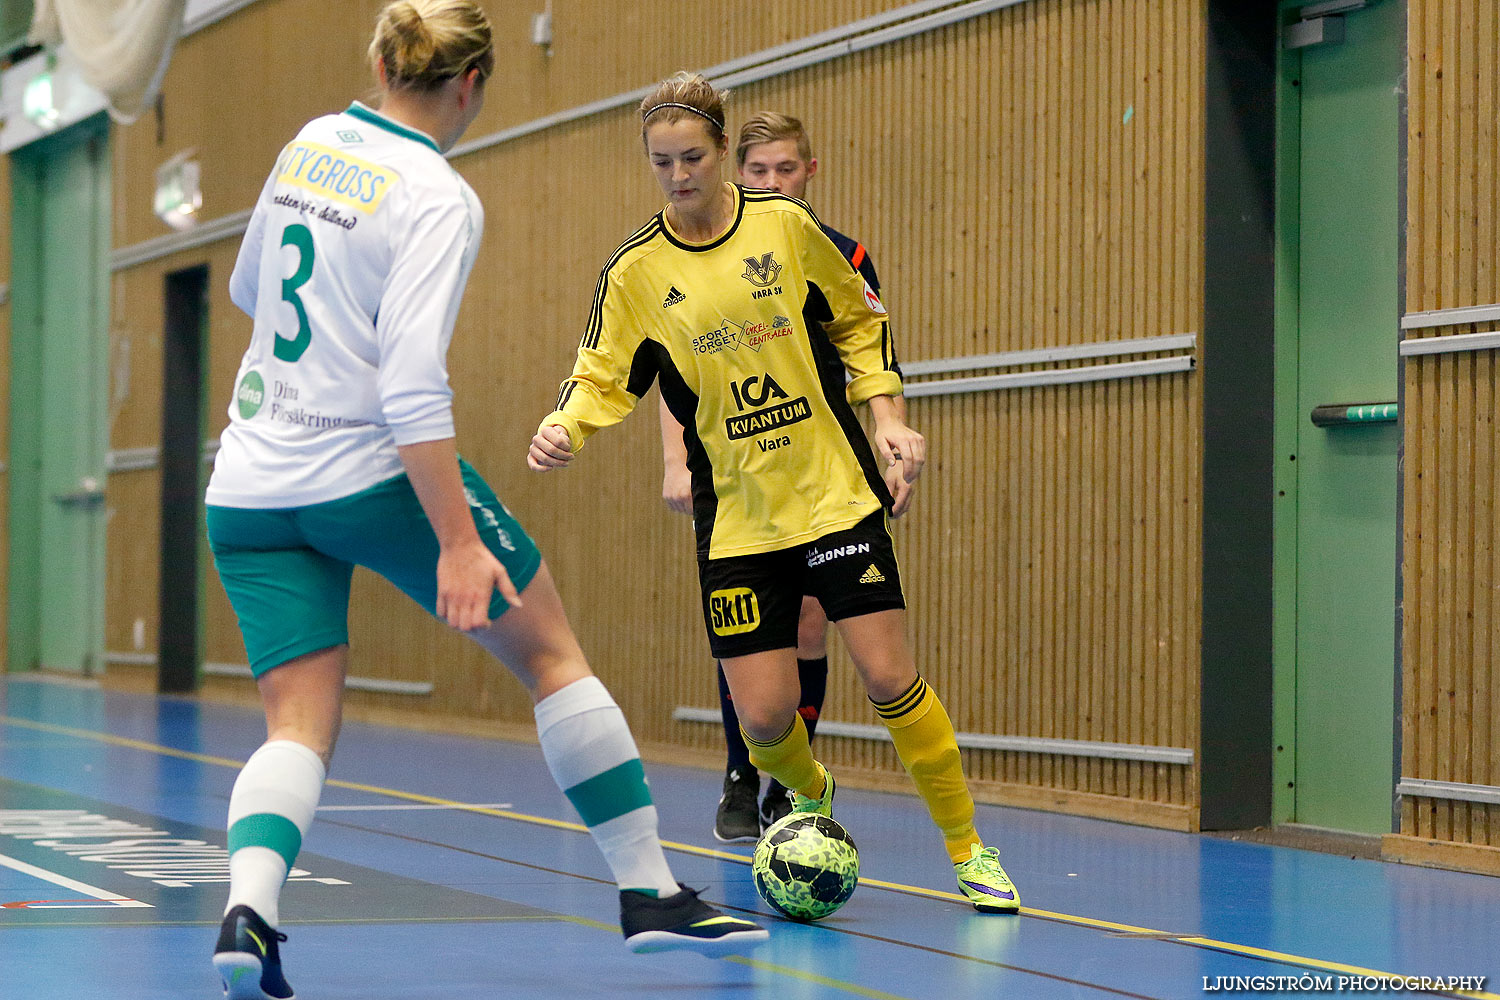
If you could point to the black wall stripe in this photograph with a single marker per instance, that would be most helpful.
(1238, 372)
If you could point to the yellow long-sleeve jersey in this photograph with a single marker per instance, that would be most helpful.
(751, 335)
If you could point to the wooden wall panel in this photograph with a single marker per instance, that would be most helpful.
(296, 59)
(1029, 178)
(137, 324)
(1451, 621)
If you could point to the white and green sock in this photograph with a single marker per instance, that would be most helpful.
(270, 810)
(594, 760)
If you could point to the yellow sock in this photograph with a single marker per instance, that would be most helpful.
(924, 740)
(789, 759)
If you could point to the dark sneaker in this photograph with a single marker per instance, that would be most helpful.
(247, 958)
(736, 821)
(776, 803)
(684, 923)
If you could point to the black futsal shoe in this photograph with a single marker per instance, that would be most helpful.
(776, 803)
(684, 923)
(247, 958)
(736, 822)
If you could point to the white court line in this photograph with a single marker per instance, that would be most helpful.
(110, 898)
(407, 807)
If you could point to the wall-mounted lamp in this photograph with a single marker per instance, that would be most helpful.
(39, 100)
(541, 29)
(178, 196)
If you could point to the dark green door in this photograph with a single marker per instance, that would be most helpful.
(1346, 475)
(59, 385)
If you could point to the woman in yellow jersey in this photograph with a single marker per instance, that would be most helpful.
(773, 153)
(750, 317)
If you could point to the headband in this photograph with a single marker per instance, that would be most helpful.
(686, 107)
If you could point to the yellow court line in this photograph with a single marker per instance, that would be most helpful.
(1068, 918)
(122, 741)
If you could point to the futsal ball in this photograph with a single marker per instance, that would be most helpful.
(806, 866)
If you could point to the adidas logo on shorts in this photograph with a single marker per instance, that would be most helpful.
(673, 297)
(872, 575)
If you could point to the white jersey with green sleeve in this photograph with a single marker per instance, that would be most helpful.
(352, 267)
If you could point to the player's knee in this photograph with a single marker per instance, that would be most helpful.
(887, 677)
(546, 674)
(320, 739)
(765, 723)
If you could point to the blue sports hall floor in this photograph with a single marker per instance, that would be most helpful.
(445, 867)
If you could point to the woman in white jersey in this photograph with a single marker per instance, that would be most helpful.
(340, 451)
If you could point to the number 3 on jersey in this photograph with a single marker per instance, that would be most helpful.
(291, 348)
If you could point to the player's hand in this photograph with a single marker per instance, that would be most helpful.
(901, 490)
(551, 448)
(467, 576)
(899, 443)
(677, 489)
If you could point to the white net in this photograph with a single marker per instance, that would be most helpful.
(121, 46)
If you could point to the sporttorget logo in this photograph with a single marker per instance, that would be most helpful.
(763, 271)
(250, 394)
(753, 334)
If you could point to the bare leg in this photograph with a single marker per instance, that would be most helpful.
(812, 631)
(304, 700)
(877, 644)
(766, 692)
(535, 641)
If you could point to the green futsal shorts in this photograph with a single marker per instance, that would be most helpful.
(287, 570)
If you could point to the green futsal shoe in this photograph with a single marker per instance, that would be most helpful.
(823, 804)
(985, 882)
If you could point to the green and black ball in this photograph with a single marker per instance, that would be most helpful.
(806, 866)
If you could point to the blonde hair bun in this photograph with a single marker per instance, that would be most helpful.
(421, 44)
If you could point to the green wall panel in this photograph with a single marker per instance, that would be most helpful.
(1340, 308)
